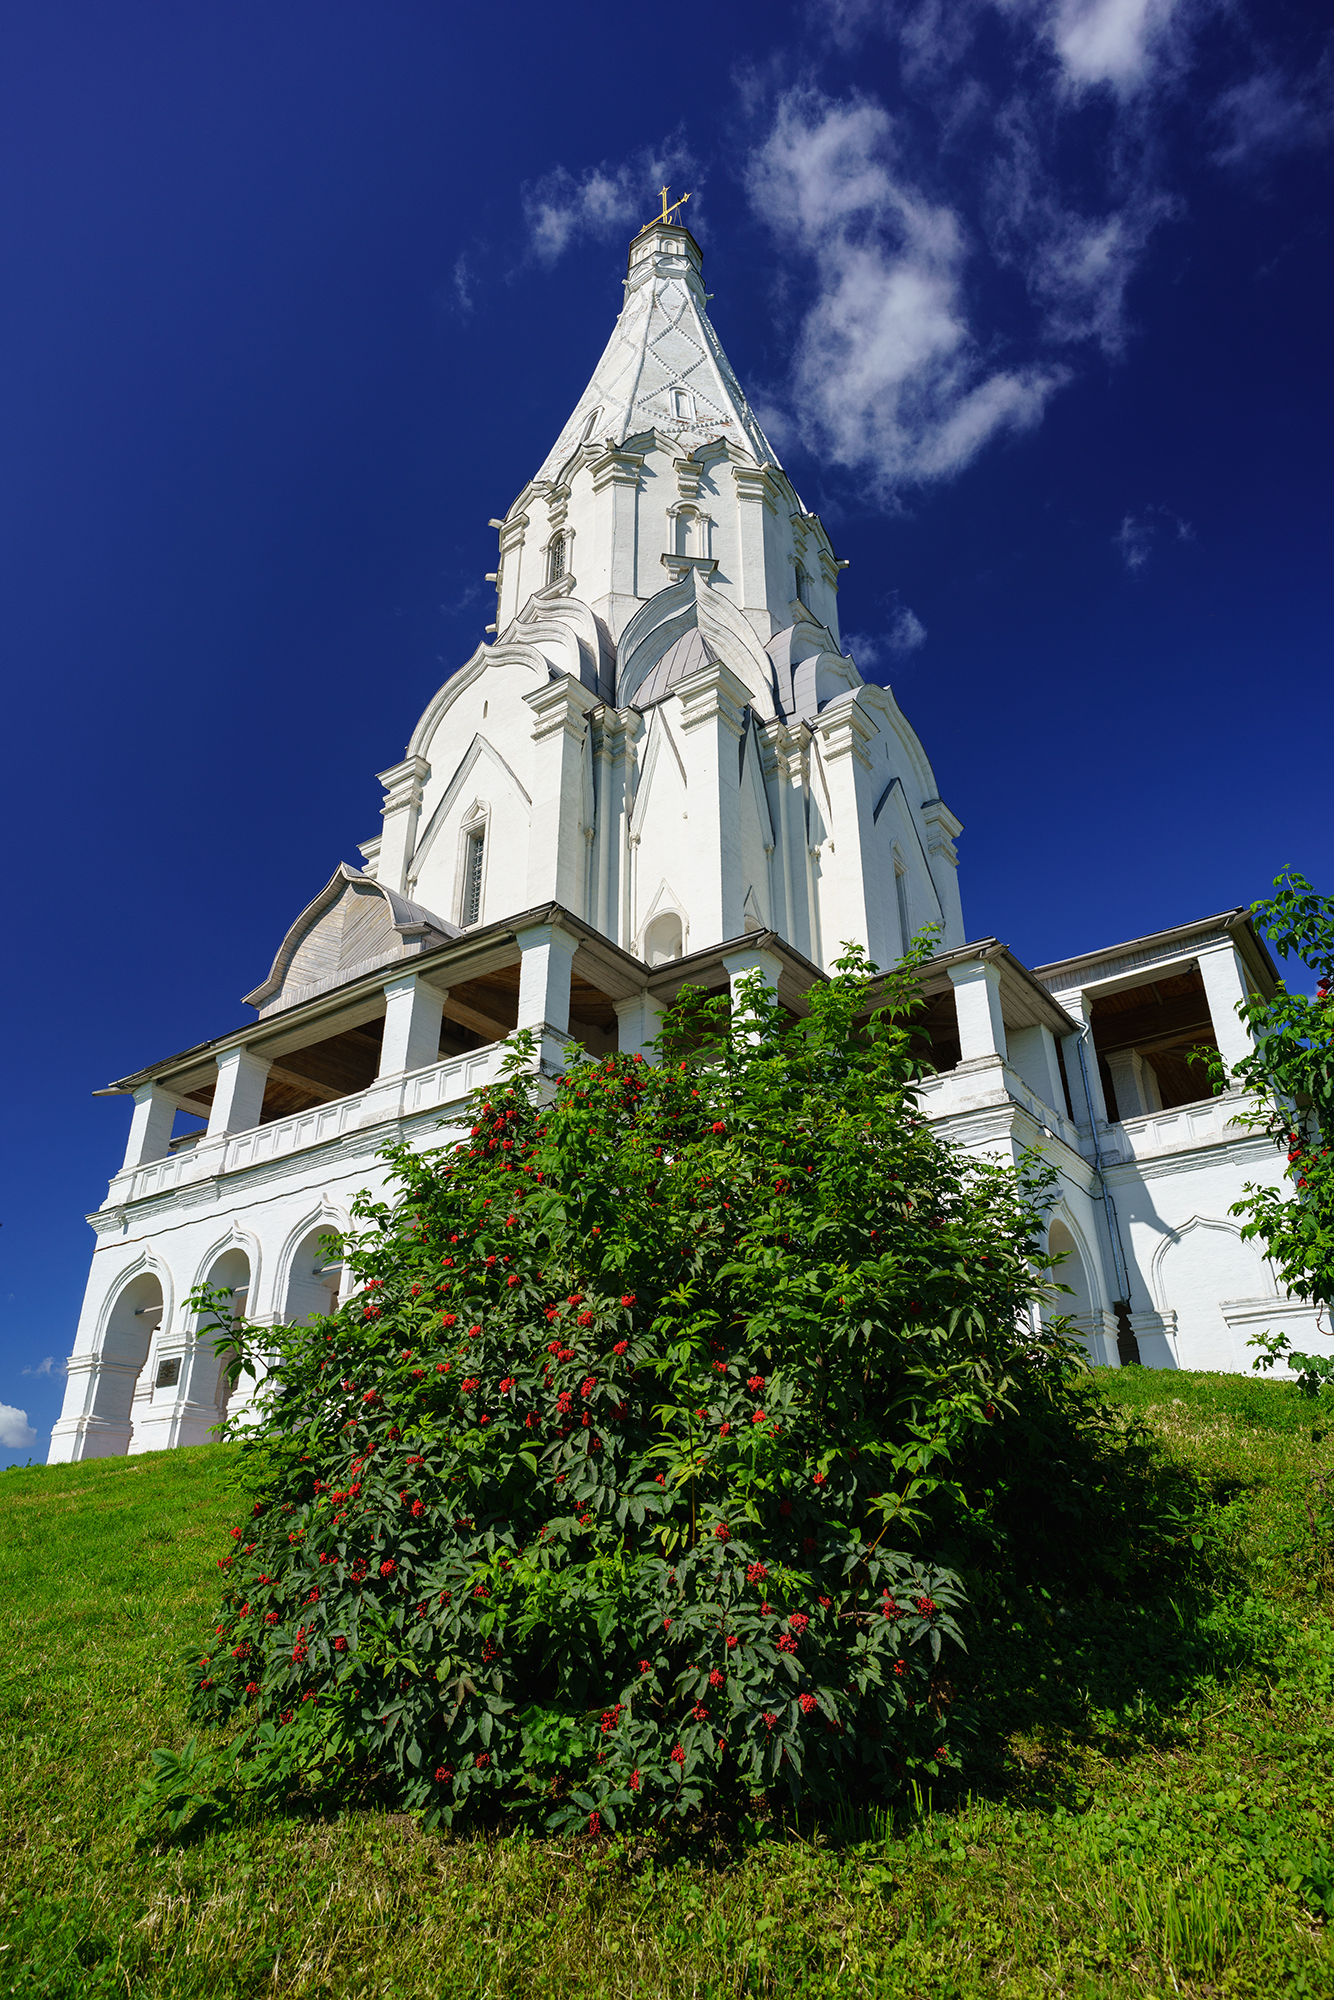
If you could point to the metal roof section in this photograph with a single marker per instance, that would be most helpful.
(1137, 955)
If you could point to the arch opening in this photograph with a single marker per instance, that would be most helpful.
(313, 1280)
(131, 1324)
(1078, 1302)
(229, 1272)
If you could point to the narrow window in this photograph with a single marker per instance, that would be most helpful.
(472, 875)
(683, 404)
(800, 577)
(905, 922)
(556, 559)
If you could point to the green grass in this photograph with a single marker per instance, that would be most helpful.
(1149, 1819)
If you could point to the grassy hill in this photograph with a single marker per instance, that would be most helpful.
(1154, 1815)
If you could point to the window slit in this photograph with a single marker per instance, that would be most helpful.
(472, 877)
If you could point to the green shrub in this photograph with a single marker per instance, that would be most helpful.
(614, 1488)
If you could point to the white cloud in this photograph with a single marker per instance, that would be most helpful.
(1111, 42)
(1137, 534)
(562, 208)
(906, 631)
(1118, 43)
(903, 634)
(1076, 266)
(15, 1430)
(463, 283)
(1270, 113)
(889, 378)
(44, 1367)
(1080, 268)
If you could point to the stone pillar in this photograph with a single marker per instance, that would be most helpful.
(977, 1006)
(740, 966)
(854, 899)
(1032, 1051)
(616, 491)
(756, 506)
(412, 1012)
(610, 753)
(712, 702)
(556, 852)
(1080, 1006)
(942, 830)
(544, 978)
(401, 809)
(1135, 1084)
(238, 1097)
(790, 777)
(512, 588)
(638, 1021)
(1224, 986)
(150, 1126)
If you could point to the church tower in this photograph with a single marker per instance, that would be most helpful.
(663, 770)
(666, 737)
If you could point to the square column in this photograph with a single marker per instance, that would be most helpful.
(1135, 1084)
(238, 1097)
(977, 1006)
(790, 752)
(150, 1126)
(713, 702)
(942, 830)
(544, 978)
(742, 967)
(557, 846)
(616, 476)
(853, 896)
(412, 1012)
(638, 1021)
(610, 767)
(1032, 1051)
(1224, 987)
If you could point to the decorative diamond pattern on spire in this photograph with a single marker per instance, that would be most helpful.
(662, 343)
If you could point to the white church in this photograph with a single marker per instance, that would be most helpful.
(663, 769)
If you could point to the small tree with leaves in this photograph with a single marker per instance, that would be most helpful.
(1292, 1072)
(609, 1492)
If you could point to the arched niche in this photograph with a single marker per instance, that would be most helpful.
(1202, 1265)
(663, 939)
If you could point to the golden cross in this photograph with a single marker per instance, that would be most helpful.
(667, 213)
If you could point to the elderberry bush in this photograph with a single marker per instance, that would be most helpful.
(609, 1491)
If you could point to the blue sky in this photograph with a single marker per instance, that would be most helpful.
(1034, 296)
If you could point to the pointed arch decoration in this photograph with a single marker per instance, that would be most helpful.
(665, 904)
(480, 750)
(1174, 1237)
(659, 733)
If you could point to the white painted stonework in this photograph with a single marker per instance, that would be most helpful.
(664, 768)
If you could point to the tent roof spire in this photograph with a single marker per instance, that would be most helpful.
(664, 367)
